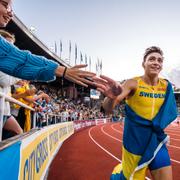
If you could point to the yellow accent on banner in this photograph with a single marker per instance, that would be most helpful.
(39, 148)
(34, 158)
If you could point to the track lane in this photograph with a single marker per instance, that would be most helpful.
(81, 158)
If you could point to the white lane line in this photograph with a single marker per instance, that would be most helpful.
(174, 146)
(89, 132)
(174, 139)
(172, 133)
(121, 141)
(174, 130)
(175, 161)
(112, 126)
(102, 129)
(168, 134)
(122, 127)
(101, 146)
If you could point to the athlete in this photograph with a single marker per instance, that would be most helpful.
(150, 107)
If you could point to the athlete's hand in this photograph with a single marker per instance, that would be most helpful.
(107, 86)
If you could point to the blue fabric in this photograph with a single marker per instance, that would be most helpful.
(10, 161)
(162, 159)
(118, 177)
(24, 65)
(142, 136)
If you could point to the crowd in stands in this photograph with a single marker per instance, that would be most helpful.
(47, 102)
(49, 106)
(17, 119)
(25, 65)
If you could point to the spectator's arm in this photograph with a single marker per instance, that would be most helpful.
(25, 65)
(28, 66)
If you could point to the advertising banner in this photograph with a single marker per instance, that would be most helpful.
(9, 161)
(38, 150)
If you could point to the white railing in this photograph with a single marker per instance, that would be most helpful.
(3, 98)
(50, 118)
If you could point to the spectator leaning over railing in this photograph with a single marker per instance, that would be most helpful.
(28, 66)
(6, 81)
(41, 101)
(24, 94)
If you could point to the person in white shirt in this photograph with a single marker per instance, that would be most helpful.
(6, 81)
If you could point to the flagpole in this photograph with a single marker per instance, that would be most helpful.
(85, 60)
(60, 49)
(55, 47)
(69, 52)
(75, 54)
(89, 63)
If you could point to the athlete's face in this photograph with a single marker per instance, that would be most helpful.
(6, 12)
(153, 63)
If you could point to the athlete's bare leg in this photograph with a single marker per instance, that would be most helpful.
(164, 173)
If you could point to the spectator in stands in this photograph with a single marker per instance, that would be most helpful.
(27, 94)
(6, 81)
(150, 107)
(28, 66)
(24, 94)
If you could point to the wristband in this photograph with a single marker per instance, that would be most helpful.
(64, 73)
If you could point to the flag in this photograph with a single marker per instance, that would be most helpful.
(75, 54)
(69, 50)
(98, 62)
(60, 48)
(81, 58)
(55, 47)
(85, 59)
(100, 66)
(89, 63)
(96, 68)
(147, 136)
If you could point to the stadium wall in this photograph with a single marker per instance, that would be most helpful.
(30, 157)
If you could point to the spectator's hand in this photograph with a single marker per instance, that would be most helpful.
(37, 109)
(30, 92)
(46, 97)
(107, 86)
(75, 74)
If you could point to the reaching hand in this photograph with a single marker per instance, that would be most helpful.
(75, 74)
(108, 86)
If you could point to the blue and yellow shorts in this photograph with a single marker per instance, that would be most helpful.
(161, 160)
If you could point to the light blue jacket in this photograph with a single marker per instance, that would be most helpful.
(24, 65)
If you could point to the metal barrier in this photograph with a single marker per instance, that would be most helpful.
(3, 98)
(50, 118)
(60, 118)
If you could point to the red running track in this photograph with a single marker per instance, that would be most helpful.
(91, 154)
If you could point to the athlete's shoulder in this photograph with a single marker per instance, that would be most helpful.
(163, 81)
(131, 83)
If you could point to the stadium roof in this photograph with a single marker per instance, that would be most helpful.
(25, 39)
